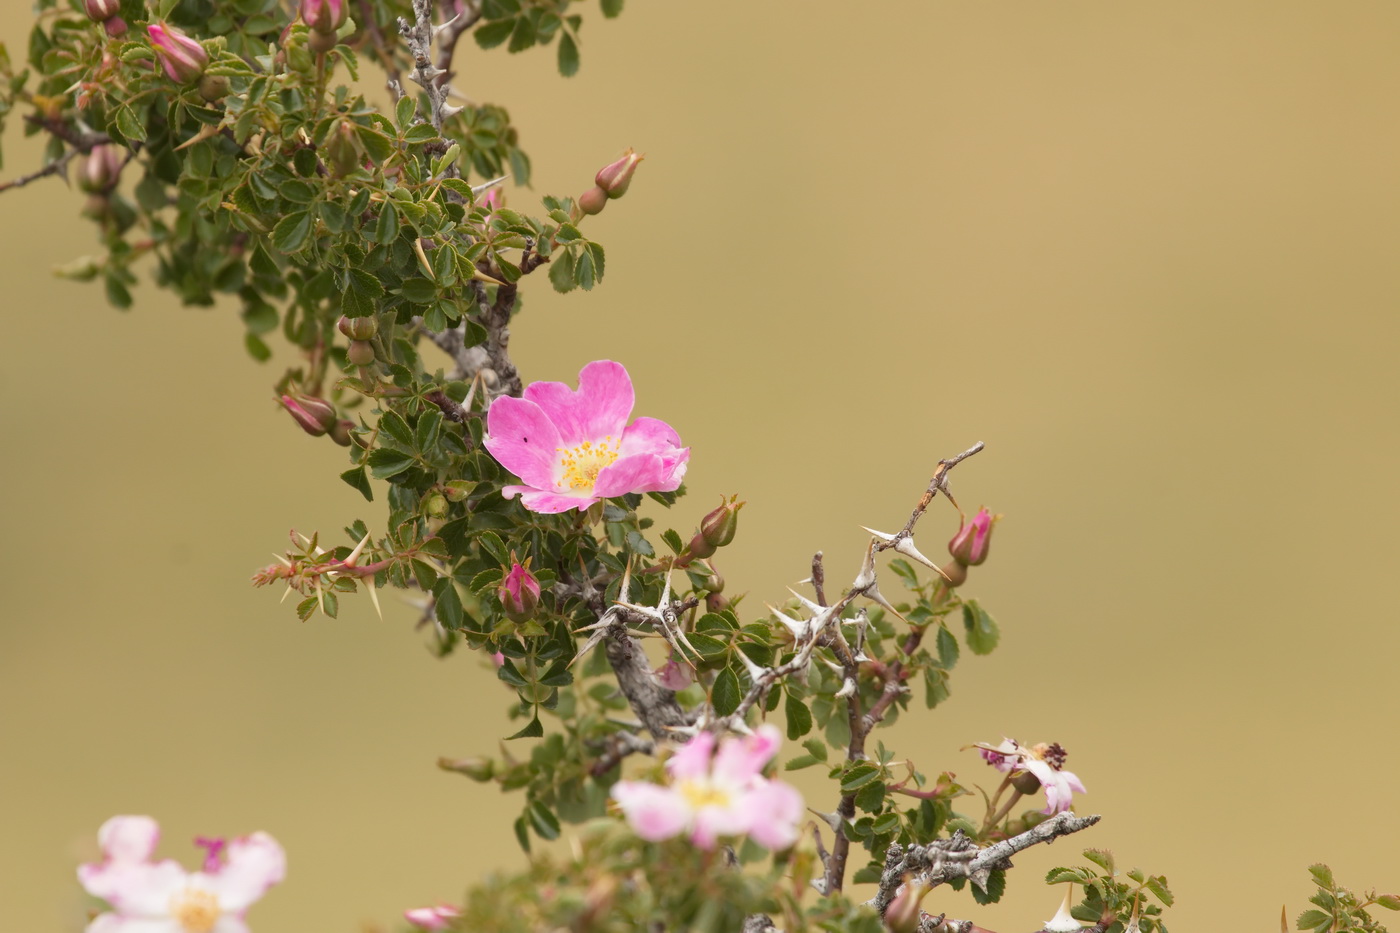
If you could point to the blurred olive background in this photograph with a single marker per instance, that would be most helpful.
(1147, 253)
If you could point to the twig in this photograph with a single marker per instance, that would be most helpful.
(55, 167)
(419, 36)
(617, 747)
(393, 79)
(81, 143)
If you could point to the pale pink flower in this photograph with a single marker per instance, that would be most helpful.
(572, 448)
(432, 918)
(1045, 762)
(161, 897)
(716, 793)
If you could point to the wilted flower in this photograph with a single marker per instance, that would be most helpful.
(969, 545)
(573, 448)
(715, 794)
(432, 918)
(161, 897)
(1046, 763)
(1063, 922)
(519, 592)
(183, 58)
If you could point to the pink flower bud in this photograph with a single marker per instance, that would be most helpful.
(183, 58)
(324, 15)
(492, 201)
(100, 169)
(519, 592)
(969, 545)
(717, 528)
(116, 26)
(99, 11)
(615, 177)
(315, 416)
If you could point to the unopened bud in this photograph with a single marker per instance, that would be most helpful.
(343, 149)
(315, 415)
(714, 583)
(615, 177)
(969, 545)
(183, 58)
(361, 352)
(903, 913)
(116, 27)
(99, 11)
(519, 592)
(1025, 782)
(321, 41)
(100, 169)
(478, 769)
(358, 328)
(436, 505)
(213, 87)
(324, 15)
(717, 528)
(593, 200)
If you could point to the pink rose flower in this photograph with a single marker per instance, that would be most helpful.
(715, 794)
(161, 897)
(1045, 762)
(572, 448)
(432, 918)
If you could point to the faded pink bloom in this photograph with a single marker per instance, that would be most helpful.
(519, 592)
(161, 897)
(1045, 762)
(432, 918)
(572, 448)
(675, 674)
(183, 58)
(969, 545)
(716, 793)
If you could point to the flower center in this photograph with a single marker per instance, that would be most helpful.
(582, 462)
(196, 911)
(703, 794)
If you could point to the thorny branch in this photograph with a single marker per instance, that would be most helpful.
(81, 143)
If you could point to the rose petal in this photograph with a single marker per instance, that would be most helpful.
(129, 838)
(134, 887)
(775, 810)
(653, 812)
(598, 409)
(255, 863)
(641, 473)
(742, 759)
(649, 435)
(549, 503)
(692, 760)
(524, 440)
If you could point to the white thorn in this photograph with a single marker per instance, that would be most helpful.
(482, 189)
(847, 688)
(374, 596)
(867, 568)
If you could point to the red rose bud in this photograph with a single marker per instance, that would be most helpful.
(99, 11)
(615, 177)
(183, 58)
(358, 328)
(969, 545)
(593, 201)
(324, 15)
(100, 169)
(315, 416)
(519, 592)
(116, 26)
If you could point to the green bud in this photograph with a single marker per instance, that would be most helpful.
(358, 328)
(213, 87)
(478, 769)
(361, 353)
(436, 505)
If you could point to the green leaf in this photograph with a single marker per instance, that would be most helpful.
(947, 648)
(448, 605)
(1157, 884)
(800, 762)
(422, 133)
(523, 36)
(493, 34)
(1071, 875)
(1322, 876)
(1313, 920)
(392, 424)
(522, 832)
(816, 747)
(419, 290)
(129, 126)
(491, 543)
(542, 818)
(378, 145)
(1389, 901)
(857, 774)
(256, 348)
(561, 271)
(404, 111)
(292, 232)
(725, 694)
(611, 8)
(1100, 857)
(384, 463)
(356, 477)
(996, 887)
(361, 295)
(533, 731)
(799, 718)
(568, 56)
(982, 631)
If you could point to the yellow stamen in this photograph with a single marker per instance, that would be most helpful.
(703, 794)
(581, 463)
(196, 911)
